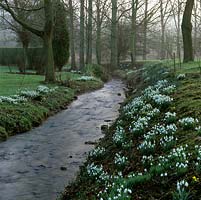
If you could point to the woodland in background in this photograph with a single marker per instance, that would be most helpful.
(105, 31)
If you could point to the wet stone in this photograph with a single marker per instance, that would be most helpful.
(107, 120)
(90, 143)
(63, 168)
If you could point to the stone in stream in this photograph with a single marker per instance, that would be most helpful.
(91, 143)
(63, 168)
(107, 120)
(119, 94)
(104, 129)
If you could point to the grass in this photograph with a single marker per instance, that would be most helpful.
(182, 68)
(11, 83)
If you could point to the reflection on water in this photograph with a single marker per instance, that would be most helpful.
(39, 163)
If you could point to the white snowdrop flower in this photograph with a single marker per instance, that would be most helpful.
(86, 78)
(181, 76)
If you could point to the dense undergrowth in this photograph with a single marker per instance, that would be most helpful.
(29, 108)
(153, 150)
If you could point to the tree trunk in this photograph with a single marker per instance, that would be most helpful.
(47, 39)
(114, 37)
(163, 43)
(133, 31)
(195, 28)
(187, 32)
(98, 34)
(49, 70)
(162, 54)
(71, 32)
(179, 30)
(89, 38)
(26, 59)
(82, 34)
(145, 31)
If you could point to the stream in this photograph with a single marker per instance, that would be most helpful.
(37, 165)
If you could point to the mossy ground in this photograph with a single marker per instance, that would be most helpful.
(187, 102)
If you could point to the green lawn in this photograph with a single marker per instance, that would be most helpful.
(11, 83)
(183, 68)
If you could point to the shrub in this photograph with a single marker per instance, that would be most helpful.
(96, 71)
(15, 56)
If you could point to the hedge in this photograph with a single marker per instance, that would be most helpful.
(15, 56)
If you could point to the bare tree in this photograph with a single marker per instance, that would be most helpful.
(114, 35)
(195, 28)
(133, 31)
(71, 33)
(165, 13)
(145, 30)
(89, 32)
(82, 35)
(101, 12)
(46, 34)
(176, 11)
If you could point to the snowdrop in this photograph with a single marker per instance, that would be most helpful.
(198, 129)
(97, 172)
(188, 123)
(40, 90)
(149, 92)
(181, 185)
(171, 129)
(147, 147)
(94, 170)
(183, 165)
(15, 99)
(170, 117)
(44, 89)
(181, 193)
(99, 151)
(161, 84)
(147, 160)
(138, 127)
(115, 191)
(86, 78)
(120, 160)
(162, 100)
(119, 135)
(165, 174)
(181, 76)
(30, 93)
(168, 142)
(169, 89)
(153, 113)
(133, 108)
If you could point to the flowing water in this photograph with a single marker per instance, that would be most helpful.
(38, 164)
